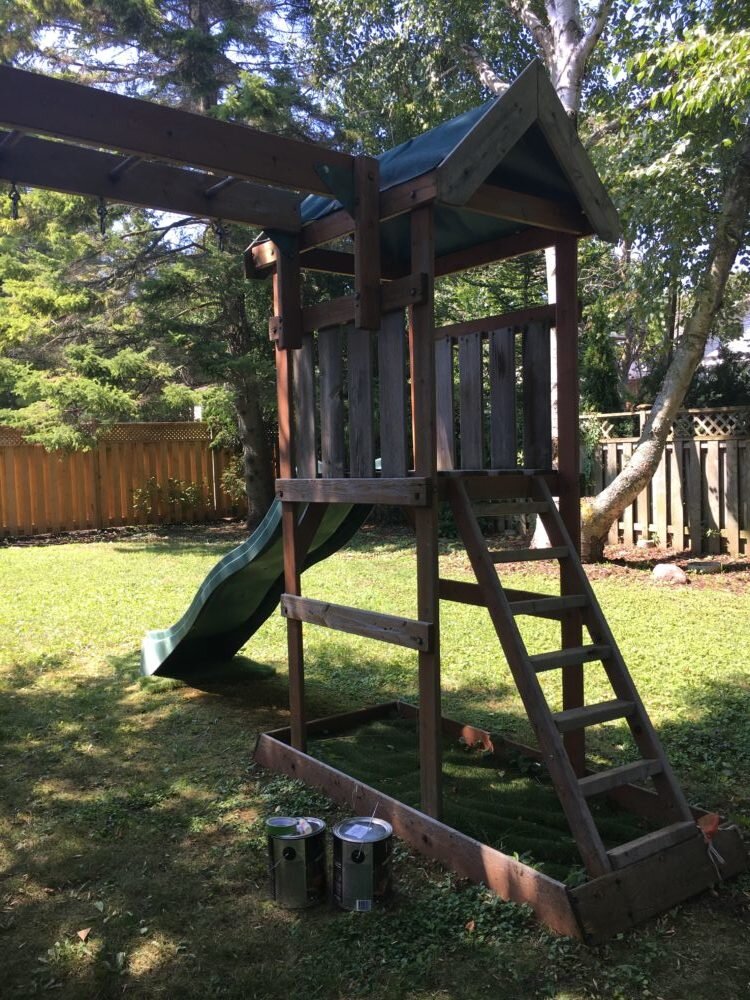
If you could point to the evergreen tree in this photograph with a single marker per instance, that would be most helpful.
(219, 57)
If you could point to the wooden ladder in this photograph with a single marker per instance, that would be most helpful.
(504, 606)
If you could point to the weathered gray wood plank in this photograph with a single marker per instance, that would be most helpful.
(503, 436)
(330, 350)
(470, 400)
(392, 395)
(445, 428)
(304, 409)
(359, 384)
(537, 407)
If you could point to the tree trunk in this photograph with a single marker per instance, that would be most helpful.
(258, 474)
(600, 513)
(257, 465)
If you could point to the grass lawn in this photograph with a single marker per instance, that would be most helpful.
(131, 811)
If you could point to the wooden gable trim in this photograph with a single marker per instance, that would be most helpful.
(474, 158)
(529, 209)
(531, 99)
(574, 161)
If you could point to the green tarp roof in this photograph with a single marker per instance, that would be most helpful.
(528, 165)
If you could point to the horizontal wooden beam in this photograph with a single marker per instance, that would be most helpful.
(503, 248)
(34, 103)
(78, 170)
(316, 259)
(528, 209)
(340, 223)
(495, 484)
(394, 295)
(487, 324)
(461, 592)
(505, 876)
(370, 624)
(408, 491)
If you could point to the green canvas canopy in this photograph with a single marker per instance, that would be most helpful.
(521, 141)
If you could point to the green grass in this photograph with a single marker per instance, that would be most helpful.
(132, 806)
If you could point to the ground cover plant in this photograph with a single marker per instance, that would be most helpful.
(132, 860)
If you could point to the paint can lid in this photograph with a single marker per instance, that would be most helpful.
(294, 827)
(363, 830)
(281, 826)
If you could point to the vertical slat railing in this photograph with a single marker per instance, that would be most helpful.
(330, 351)
(394, 454)
(503, 427)
(537, 404)
(359, 387)
(470, 400)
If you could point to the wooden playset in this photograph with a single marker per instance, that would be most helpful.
(369, 375)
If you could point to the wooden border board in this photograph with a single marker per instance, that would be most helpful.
(593, 911)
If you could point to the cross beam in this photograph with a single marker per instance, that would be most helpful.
(77, 170)
(30, 102)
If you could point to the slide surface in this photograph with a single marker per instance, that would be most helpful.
(239, 594)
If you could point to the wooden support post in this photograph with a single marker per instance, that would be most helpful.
(422, 359)
(292, 568)
(287, 321)
(566, 322)
(367, 243)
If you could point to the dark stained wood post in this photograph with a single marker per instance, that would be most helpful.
(367, 243)
(292, 572)
(422, 360)
(566, 322)
(287, 291)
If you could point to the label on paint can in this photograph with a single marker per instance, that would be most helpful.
(361, 862)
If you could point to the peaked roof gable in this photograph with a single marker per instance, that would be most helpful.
(529, 101)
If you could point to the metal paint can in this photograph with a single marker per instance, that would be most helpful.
(296, 860)
(362, 849)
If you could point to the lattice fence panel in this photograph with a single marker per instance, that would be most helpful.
(699, 497)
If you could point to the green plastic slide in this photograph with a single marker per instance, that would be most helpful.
(239, 594)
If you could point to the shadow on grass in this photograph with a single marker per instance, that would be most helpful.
(169, 547)
(131, 807)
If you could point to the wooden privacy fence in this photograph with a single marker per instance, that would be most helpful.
(699, 497)
(158, 473)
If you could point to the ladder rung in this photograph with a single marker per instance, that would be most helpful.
(569, 657)
(652, 843)
(529, 555)
(506, 508)
(614, 777)
(543, 606)
(592, 715)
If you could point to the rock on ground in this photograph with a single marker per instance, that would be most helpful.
(668, 573)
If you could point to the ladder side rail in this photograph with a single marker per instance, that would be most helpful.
(582, 826)
(644, 734)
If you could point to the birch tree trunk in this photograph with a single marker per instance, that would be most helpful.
(566, 43)
(731, 227)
